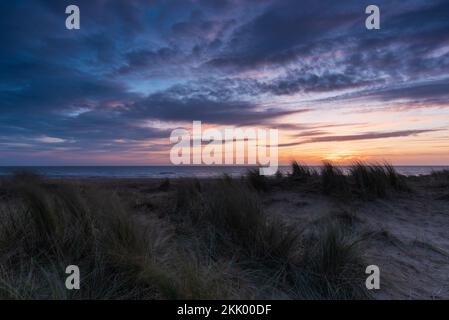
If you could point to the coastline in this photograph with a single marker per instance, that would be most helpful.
(402, 231)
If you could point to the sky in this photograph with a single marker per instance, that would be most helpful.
(112, 92)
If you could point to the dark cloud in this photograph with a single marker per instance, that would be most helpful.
(410, 95)
(296, 33)
(283, 32)
(357, 137)
(296, 82)
(438, 89)
(145, 60)
(370, 136)
(184, 103)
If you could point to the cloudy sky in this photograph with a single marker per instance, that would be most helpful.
(111, 92)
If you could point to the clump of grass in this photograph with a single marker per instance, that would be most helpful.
(301, 172)
(333, 266)
(440, 178)
(256, 180)
(233, 226)
(188, 200)
(440, 173)
(370, 181)
(396, 180)
(375, 181)
(234, 219)
(334, 182)
(279, 175)
(365, 181)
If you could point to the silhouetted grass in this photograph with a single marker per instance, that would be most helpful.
(363, 181)
(334, 182)
(440, 178)
(375, 181)
(256, 180)
(301, 172)
(440, 173)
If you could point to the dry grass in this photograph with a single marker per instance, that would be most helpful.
(257, 181)
(334, 182)
(376, 181)
(301, 172)
(440, 178)
(363, 181)
(50, 227)
(334, 264)
(211, 239)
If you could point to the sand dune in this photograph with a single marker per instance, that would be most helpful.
(308, 235)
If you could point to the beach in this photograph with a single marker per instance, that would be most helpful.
(302, 235)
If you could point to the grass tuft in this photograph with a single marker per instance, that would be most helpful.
(375, 181)
(334, 182)
(256, 180)
(334, 267)
(301, 172)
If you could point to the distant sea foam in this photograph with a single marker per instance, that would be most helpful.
(171, 171)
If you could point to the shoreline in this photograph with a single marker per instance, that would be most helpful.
(174, 172)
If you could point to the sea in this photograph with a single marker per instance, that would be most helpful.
(172, 171)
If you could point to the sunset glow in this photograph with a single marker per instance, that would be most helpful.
(111, 92)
